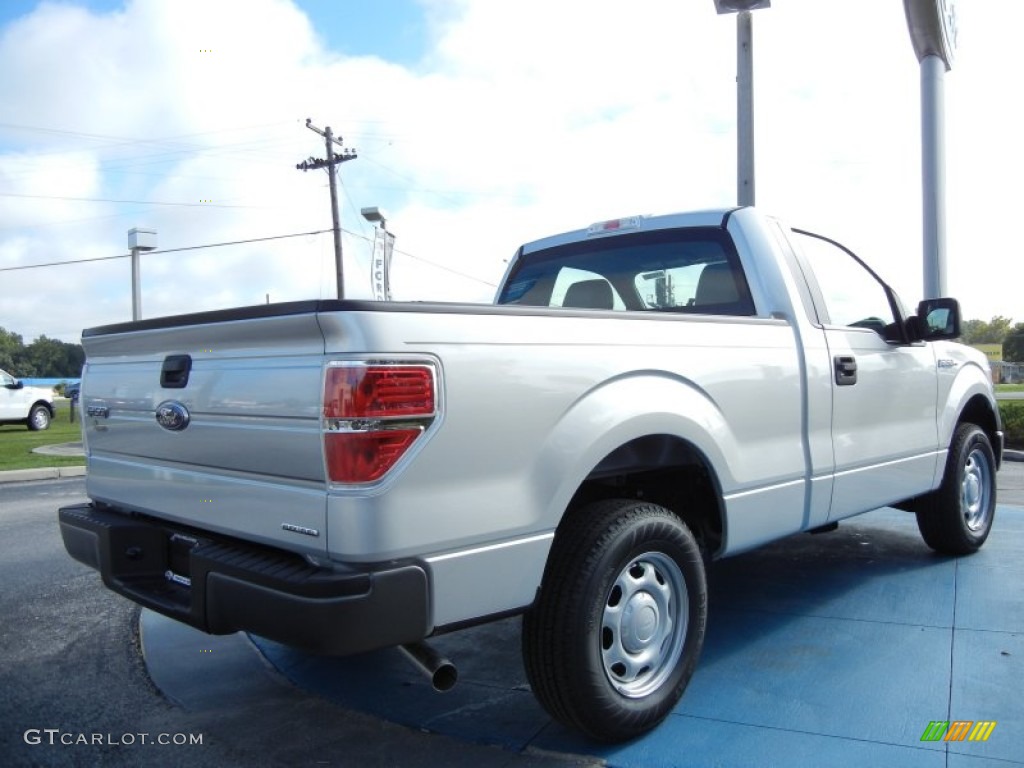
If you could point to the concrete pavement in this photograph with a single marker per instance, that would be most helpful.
(837, 649)
(834, 649)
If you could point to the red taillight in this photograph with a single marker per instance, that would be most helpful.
(374, 392)
(362, 457)
(372, 415)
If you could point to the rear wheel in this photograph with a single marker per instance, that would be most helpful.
(956, 519)
(39, 418)
(618, 625)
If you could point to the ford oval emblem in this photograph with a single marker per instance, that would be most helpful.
(172, 415)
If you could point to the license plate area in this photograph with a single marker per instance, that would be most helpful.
(179, 550)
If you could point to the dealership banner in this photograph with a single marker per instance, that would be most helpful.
(380, 264)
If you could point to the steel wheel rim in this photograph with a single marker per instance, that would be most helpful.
(976, 491)
(39, 419)
(643, 624)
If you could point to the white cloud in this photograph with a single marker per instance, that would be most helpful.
(522, 119)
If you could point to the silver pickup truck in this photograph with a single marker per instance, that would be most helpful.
(645, 396)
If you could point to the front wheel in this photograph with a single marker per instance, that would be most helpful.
(614, 636)
(39, 418)
(956, 519)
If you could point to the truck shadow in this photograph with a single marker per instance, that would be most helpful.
(875, 569)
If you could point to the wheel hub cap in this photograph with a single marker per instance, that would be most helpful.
(974, 491)
(639, 622)
(643, 626)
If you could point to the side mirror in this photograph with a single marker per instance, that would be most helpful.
(938, 319)
(16, 384)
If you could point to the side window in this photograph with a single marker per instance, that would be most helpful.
(6, 380)
(853, 297)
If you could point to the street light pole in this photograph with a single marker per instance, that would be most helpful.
(744, 92)
(744, 108)
(139, 240)
(933, 176)
(933, 32)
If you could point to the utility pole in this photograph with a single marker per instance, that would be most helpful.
(329, 163)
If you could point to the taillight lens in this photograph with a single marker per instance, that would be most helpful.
(374, 392)
(362, 457)
(373, 413)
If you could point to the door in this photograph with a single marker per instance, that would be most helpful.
(884, 421)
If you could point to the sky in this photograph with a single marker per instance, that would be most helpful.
(478, 125)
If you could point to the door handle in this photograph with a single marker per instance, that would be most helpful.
(846, 370)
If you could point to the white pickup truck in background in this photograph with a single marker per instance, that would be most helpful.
(647, 395)
(31, 406)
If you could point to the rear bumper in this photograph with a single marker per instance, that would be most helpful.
(222, 585)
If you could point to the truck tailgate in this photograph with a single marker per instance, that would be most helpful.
(213, 423)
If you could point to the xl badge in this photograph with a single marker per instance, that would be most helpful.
(172, 415)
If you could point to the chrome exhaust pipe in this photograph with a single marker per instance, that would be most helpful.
(442, 673)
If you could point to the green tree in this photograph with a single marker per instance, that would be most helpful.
(53, 358)
(11, 347)
(1013, 345)
(45, 357)
(980, 332)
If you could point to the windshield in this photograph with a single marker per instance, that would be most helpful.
(679, 270)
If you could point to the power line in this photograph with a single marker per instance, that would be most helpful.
(114, 141)
(132, 202)
(426, 261)
(166, 250)
(244, 242)
(62, 263)
(447, 269)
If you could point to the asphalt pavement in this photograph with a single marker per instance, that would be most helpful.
(75, 689)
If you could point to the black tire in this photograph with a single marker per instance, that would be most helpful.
(38, 418)
(618, 625)
(956, 518)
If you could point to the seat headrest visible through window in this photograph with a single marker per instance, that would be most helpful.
(589, 294)
(716, 285)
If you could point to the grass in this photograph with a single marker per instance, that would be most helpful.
(17, 442)
(1009, 387)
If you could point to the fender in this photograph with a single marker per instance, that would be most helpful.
(616, 412)
(963, 377)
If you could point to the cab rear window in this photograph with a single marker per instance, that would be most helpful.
(692, 270)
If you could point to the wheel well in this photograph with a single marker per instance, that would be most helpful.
(43, 403)
(665, 470)
(979, 411)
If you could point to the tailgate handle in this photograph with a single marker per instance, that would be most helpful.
(175, 370)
